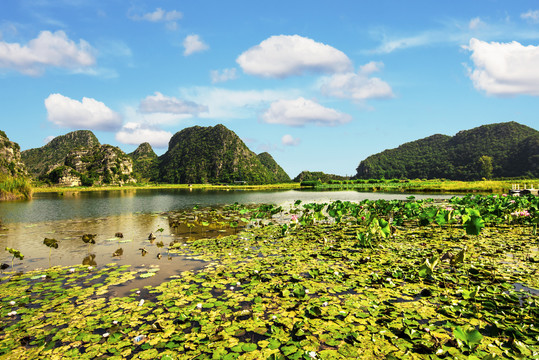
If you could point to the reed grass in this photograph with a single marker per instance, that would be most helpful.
(15, 188)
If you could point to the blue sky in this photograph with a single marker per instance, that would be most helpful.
(320, 85)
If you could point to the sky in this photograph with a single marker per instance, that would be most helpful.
(319, 85)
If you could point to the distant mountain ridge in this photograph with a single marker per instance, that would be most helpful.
(511, 148)
(318, 176)
(195, 155)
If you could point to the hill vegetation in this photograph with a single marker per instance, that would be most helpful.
(490, 151)
(145, 163)
(211, 155)
(14, 182)
(99, 165)
(41, 161)
(279, 175)
(318, 176)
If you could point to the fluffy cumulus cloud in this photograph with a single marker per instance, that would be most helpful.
(300, 112)
(357, 86)
(504, 69)
(135, 133)
(160, 103)
(193, 44)
(289, 140)
(287, 55)
(531, 15)
(159, 15)
(86, 114)
(49, 49)
(223, 75)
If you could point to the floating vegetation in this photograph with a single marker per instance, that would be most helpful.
(378, 279)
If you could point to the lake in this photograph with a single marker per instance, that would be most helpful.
(135, 213)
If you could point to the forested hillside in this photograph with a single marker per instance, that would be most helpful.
(279, 175)
(497, 150)
(317, 176)
(40, 161)
(211, 155)
(145, 162)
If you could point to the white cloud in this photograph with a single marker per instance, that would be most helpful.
(88, 114)
(223, 75)
(162, 15)
(160, 103)
(289, 140)
(48, 49)
(504, 69)
(452, 32)
(159, 15)
(286, 55)
(193, 44)
(475, 23)
(135, 134)
(390, 45)
(48, 139)
(301, 111)
(357, 86)
(531, 15)
(234, 104)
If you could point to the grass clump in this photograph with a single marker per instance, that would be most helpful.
(12, 188)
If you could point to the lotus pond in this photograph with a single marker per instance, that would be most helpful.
(415, 279)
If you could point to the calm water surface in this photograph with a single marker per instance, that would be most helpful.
(135, 213)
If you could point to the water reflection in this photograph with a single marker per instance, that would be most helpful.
(130, 226)
(82, 205)
(89, 260)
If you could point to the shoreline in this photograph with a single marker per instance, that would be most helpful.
(434, 186)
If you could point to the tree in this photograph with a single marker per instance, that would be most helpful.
(485, 164)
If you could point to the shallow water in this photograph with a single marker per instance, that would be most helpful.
(134, 213)
(93, 204)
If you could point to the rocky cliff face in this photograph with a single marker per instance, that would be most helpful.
(11, 164)
(211, 155)
(99, 165)
(41, 161)
(145, 162)
(279, 175)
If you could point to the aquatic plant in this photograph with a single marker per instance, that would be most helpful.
(310, 292)
(15, 254)
(89, 239)
(51, 244)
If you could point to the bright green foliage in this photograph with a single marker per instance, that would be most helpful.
(485, 165)
(468, 338)
(512, 148)
(473, 222)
